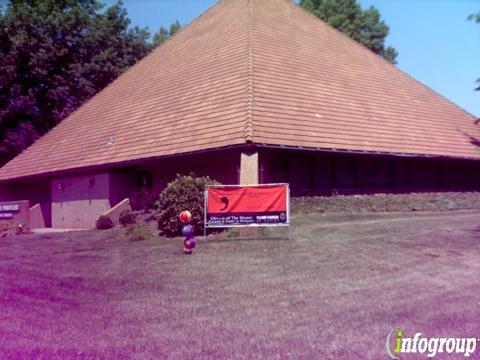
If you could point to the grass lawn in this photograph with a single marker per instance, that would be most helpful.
(334, 292)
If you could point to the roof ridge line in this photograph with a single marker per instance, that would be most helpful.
(249, 118)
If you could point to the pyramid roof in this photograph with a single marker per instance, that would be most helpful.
(262, 72)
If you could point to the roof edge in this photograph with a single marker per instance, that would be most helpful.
(244, 146)
(121, 164)
(366, 152)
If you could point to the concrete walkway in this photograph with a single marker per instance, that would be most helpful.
(54, 231)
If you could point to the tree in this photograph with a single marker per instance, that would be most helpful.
(54, 55)
(476, 18)
(163, 34)
(364, 26)
(160, 36)
(175, 27)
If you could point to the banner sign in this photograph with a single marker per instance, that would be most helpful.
(260, 205)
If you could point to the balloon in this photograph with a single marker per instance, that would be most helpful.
(188, 244)
(185, 216)
(193, 243)
(187, 230)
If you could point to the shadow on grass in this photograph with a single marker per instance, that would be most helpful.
(476, 233)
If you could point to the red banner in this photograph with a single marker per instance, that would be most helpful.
(246, 205)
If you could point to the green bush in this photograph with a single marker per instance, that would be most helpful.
(140, 232)
(127, 217)
(7, 229)
(22, 230)
(4, 229)
(184, 193)
(104, 223)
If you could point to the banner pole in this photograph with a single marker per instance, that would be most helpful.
(205, 215)
(288, 214)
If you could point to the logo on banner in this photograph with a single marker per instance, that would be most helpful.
(224, 200)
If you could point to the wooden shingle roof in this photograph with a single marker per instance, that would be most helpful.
(253, 71)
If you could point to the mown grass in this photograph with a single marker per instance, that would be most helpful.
(334, 291)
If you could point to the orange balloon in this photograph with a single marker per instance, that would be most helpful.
(185, 216)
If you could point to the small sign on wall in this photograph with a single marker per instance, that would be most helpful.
(15, 212)
(10, 207)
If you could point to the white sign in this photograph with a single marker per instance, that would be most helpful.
(9, 207)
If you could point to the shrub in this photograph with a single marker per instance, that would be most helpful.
(143, 199)
(22, 230)
(7, 229)
(140, 232)
(127, 217)
(184, 193)
(104, 223)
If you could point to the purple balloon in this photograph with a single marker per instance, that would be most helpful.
(193, 243)
(187, 230)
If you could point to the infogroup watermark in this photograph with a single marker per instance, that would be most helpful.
(398, 344)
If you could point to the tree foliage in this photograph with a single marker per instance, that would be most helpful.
(364, 26)
(163, 34)
(476, 18)
(54, 55)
